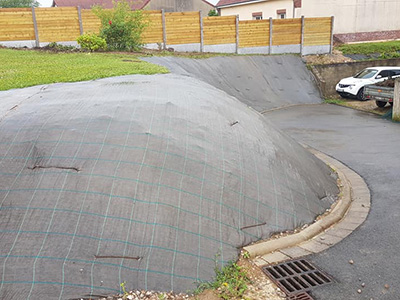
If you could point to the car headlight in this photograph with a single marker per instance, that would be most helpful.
(344, 85)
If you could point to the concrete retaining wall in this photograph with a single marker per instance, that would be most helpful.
(286, 49)
(195, 47)
(254, 50)
(329, 75)
(223, 48)
(307, 50)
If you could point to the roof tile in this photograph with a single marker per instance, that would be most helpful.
(87, 4)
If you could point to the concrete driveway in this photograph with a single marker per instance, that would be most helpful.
(370, 146)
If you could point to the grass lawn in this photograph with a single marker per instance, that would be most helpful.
(23, 68)
(370, 48)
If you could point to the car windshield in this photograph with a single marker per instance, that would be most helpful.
(365, 74)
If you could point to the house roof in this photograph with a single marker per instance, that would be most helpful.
(86, 4)
(235, 2)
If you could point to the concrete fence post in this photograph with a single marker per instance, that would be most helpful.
(201, 32)
(302, 35)
(37, 41)
(332, 27)
(237, 34)
(80, 20)
(396, 101)
(270, 35)
(164, 29)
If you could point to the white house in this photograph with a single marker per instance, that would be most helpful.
(355, 20)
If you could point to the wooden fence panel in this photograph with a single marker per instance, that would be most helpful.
(16, 24)
(254, 33)
(219, 30)
(182, 28)
(90, 22)
(153, 33)
(57, 24)
(317, 31)
(286, 32)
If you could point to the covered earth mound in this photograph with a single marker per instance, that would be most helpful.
(147, 180)
(261, 82)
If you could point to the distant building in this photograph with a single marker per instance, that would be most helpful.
(355, 20)
(257, 9)
(167, 5)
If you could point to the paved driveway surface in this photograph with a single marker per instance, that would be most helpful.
(370, 146)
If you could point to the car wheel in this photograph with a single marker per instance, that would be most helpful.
(380, 103)
(360, 94)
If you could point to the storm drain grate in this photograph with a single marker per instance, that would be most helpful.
(296, 276)
(301, 296)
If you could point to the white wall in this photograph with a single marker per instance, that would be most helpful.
(351, 16)
(355, 15)
(268, 9)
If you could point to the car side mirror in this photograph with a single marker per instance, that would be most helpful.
(378, 76)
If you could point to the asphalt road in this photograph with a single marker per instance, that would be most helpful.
(370, 146)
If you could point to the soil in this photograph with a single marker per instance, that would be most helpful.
(259, 288)
(368, 106)
(386, 83)
(324, 59)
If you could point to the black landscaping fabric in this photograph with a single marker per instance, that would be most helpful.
(148, 180)
(261, 82)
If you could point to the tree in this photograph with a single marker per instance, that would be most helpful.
(213, 13)
(18, 3)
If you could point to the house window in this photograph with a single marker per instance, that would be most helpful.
(257, 16)
(281, 13)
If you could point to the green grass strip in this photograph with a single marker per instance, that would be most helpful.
(370, 48)
(23, 68)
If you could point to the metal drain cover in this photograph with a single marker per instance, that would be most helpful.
(296, 276)
(301, 296)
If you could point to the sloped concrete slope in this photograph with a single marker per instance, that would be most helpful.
(261, 82)
(143, 179)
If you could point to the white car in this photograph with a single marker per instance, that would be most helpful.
(354, 86)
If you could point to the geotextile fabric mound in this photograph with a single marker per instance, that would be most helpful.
(148, 180)
(261, 82)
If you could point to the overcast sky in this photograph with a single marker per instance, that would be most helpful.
(47, 3)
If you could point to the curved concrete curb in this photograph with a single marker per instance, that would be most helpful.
(350, 211)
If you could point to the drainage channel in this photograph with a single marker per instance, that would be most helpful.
(297, 277)
(301, 296)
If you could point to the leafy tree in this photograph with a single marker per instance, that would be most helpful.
(213, 13)
(18, 3)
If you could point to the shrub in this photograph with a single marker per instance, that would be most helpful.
(92, 42)
(230, 282)
(121, 27)
(53, 46)
(213, 13)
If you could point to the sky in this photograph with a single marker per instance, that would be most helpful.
(47, 3)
